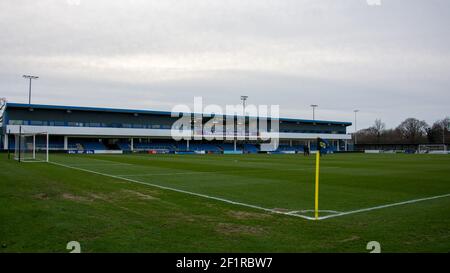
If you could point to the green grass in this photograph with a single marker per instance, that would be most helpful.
(43, 206)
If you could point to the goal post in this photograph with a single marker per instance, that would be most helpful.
(432, 149)
(31, 146)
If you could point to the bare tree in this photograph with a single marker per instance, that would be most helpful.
(439, 132)
(413, 129)
(378, 128)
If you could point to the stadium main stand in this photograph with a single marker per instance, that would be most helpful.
(99, 129)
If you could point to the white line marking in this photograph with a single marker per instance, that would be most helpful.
(311, 210)
(290, 213)
(186, 192)
(386, 206)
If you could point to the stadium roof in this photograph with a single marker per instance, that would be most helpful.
(150, 112)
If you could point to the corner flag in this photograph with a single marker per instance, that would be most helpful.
(322, 145)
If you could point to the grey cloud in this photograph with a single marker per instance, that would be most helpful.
(391, 62)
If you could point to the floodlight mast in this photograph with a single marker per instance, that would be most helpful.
(314, 110)
(243, 99)
(30, 77)
(356, 129)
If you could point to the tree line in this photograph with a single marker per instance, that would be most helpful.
(410, 131)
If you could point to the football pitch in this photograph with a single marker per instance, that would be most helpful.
(223, 203)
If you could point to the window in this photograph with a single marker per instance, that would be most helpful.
(75, 124)
(16, 122)
(35, 122)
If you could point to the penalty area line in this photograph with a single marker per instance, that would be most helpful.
(186, 192)
(385, 206)
(289, 213)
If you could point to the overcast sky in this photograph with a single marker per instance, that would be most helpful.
(390, 61)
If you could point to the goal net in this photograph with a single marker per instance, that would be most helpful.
(31, 147)
(433, 149)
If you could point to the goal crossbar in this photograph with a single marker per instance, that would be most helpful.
(432, 149)
(31, 146)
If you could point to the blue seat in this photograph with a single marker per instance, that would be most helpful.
(251, 148)
(93, 145)
(228, 147)
(124, 146)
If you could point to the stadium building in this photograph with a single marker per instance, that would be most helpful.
(105, 130)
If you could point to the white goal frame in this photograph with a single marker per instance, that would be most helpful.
(432, 149)
(26, 148)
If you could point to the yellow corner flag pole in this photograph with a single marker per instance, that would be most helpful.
(316, 207)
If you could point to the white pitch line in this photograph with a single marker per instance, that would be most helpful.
(385, 206)
(311, 210)
(186, 192)
(290, 213)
